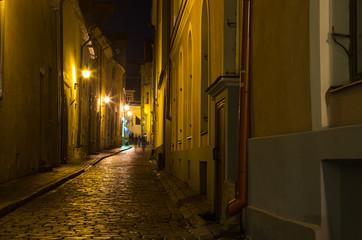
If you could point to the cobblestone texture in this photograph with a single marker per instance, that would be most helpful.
(119, 198)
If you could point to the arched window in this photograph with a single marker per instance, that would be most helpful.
(204, 68)
(180, 101)
(189, 93)
(174, 108)
(114, 73)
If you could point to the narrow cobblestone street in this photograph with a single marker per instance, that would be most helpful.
(119, 198)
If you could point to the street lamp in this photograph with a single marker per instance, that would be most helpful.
(86, 73)
(106, 99)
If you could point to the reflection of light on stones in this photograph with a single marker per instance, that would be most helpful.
(116, 198)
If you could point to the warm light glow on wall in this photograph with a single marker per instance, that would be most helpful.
(99, 104)
(74, 74)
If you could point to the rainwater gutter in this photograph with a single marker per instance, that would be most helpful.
(236, 205)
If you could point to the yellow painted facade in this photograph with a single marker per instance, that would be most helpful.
(193, 50)
(300, 89)
(281, 100)
(132, 124)
(29, 110)
(49, 113)
(147, 90)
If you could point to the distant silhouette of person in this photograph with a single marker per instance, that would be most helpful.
(139, 140)
(144, 142)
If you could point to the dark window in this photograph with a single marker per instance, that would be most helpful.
(114, 73)
(356, 39)
(147, 98)
(138, 121)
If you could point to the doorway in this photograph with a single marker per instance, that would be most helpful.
(219, 157)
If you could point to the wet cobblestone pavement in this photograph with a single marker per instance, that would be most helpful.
(119, 198)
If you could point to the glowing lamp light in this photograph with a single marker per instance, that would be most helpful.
(107, 99)
(126, 107)
(86, 73)
(129, 113)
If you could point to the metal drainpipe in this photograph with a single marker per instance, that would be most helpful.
(80, 93)
(236, 205)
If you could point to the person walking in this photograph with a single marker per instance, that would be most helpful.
(144, 142)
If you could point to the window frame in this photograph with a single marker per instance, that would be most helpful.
(356, 74)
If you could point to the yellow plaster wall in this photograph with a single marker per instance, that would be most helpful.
(280, 89)
(72, 41)
(29, 50)
(216, 11)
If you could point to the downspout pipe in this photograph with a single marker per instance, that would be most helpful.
(236, 205)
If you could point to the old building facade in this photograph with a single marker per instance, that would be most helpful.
(196, 79)
(147, 100)
(292, 71)
(50, 113)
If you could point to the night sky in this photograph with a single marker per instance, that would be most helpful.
(131, 17)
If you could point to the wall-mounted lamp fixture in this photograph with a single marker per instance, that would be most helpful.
(86, 73)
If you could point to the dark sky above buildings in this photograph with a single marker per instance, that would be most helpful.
(132, 17)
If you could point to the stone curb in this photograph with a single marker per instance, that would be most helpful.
(199, 229)
(11, 207)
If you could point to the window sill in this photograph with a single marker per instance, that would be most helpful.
(344, 104)
(343, 87)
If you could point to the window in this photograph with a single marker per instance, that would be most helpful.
(129, 98)
(1, 46)
(189, 92)
(114, 73)
(204, 68)
(346, 49)
(356, 39)
(138, 121)
(147, 98)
